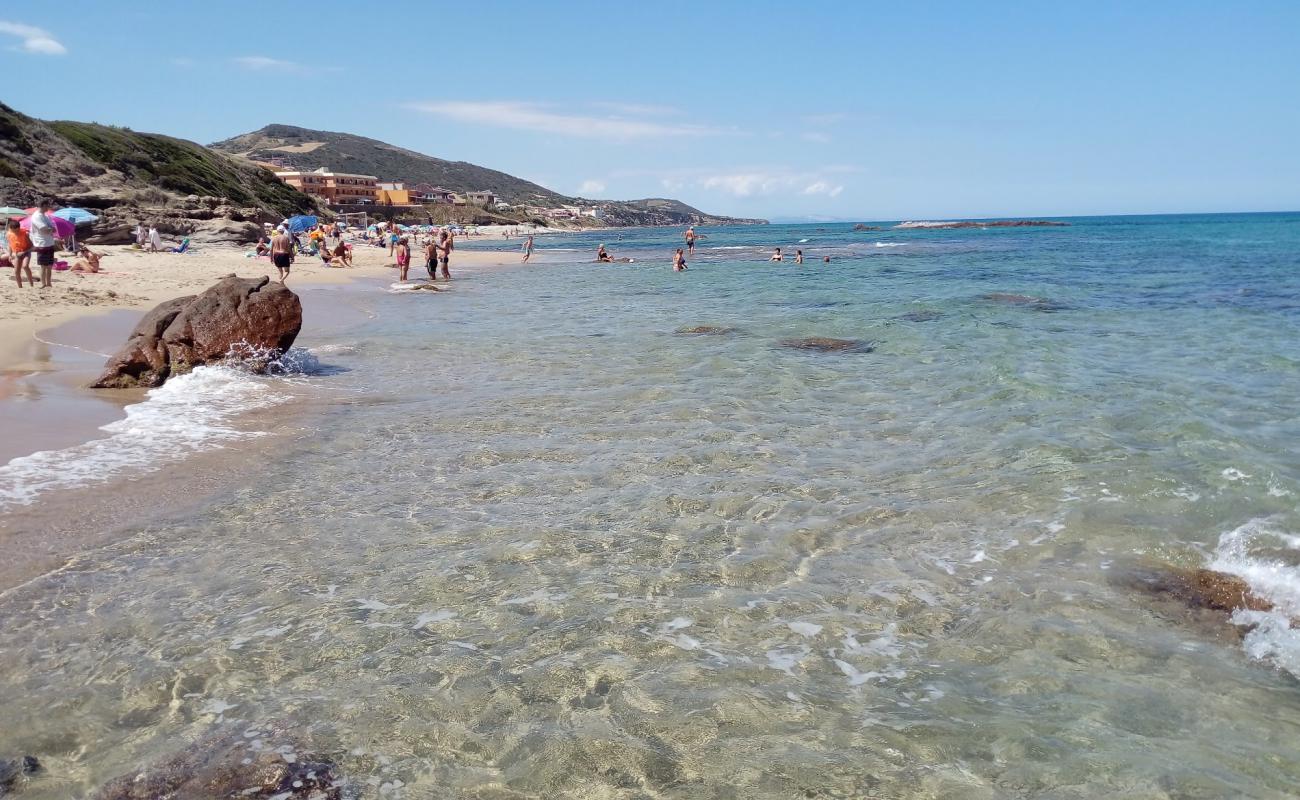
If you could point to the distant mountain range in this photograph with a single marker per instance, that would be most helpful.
(306, 149)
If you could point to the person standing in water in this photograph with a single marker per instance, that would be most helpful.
(528, 248)
(690, 240)
(282, 253)
(448, 244)
(679, 261)
(798, 256)
(776, 255)
(431, 258)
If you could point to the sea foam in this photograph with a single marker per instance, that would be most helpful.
(188, 414)
(1268, 559)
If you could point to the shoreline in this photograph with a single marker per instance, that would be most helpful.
(45, 405)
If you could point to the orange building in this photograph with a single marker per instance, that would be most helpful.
(335, 188)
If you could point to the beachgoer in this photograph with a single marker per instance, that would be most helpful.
(263, 245)
(776, 255)
(282, 253)
(603, 255)
(679, 261)
(89, 260)
(690, 239)
(41, 230)
(826, 259)
(141, 235)
(343, 253)
(155, 241)
(528, 248)
(403, 259)
(431, 259)
(20, 252)
(798, 256)
(392, 238)
(447, 245)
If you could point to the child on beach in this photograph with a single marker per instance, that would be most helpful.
(20, 252)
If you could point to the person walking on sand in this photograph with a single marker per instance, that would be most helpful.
(20, 252)
(690, 239)
(528, 248)
(282, 253)
(679, 261)
(43, 241)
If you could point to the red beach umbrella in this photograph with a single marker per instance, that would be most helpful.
(62, 228)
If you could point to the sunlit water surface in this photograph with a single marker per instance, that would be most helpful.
(538, 542)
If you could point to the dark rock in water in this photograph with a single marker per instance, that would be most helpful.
(1203, 590)
(249, 318)
(924, 315)
(861, 227)
(227, 767)
(1024, 301)
(705, 330)
(13, 771)
(823, 344)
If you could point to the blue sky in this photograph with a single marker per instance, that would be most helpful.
(854, 110)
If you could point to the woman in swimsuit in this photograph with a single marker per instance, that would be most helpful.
(679, 261)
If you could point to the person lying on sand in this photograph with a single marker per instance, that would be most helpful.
(89, 261)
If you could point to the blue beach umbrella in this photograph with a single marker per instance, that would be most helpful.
(77, 216)
(301, 223)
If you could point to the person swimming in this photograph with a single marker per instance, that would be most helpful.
(776, 255)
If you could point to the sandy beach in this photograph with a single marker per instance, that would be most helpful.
(133, 279)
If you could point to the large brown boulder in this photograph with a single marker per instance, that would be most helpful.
(250, 318)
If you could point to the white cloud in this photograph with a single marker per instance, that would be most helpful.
(267, 64)
(822, 187)
(542, 119)
(591, 187)
(34, 40)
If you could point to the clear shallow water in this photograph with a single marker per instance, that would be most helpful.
(540, 542)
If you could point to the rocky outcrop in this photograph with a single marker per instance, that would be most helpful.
(248, 318)
(862, 227)
(218, 768)
(999, 223)
(824, 344)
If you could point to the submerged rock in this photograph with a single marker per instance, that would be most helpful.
(824, 344)
(246, 317)
(1205, 588)
(1024, 301)
(17, 770)
(862, 227)
(705, 330)
(923, 315)
(226, 767)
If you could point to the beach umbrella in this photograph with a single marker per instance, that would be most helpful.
(301, 223)
(10, 211)
(77, 216)
(62, 228)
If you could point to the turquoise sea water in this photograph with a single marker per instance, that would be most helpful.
(537, 543)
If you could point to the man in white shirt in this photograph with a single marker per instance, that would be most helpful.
(42, 233)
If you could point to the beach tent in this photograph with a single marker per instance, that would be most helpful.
(301, 223)
(77, 216)
(62, 228)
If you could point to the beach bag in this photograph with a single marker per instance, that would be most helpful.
(61, 266)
